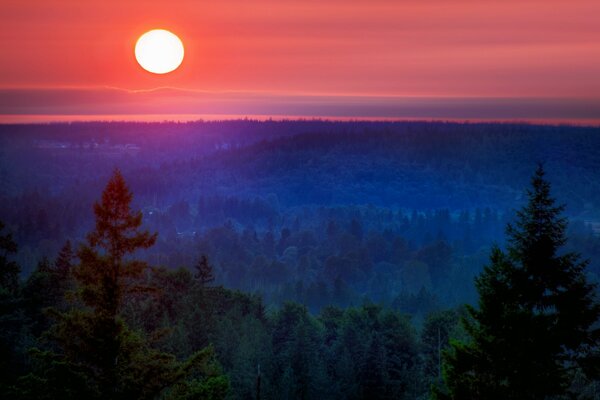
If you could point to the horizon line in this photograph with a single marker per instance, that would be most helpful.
(46, 119)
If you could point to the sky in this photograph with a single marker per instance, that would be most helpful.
(536, 59)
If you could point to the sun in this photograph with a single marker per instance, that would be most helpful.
(159, 51)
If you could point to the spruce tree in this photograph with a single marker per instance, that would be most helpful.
(534, 323)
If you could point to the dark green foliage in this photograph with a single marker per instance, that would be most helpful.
(204, 272)
(373, 374)
(195, 315)
(300, 356)
(370, 352)
(536, 314)
(92, 352)
(297, 365)
(437, 330)
(12, 318)
(122, 329)
(47, 288)
(9, 270)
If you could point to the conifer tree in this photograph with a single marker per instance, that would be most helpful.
(9, 270)
(536, 313)
(373, 376)
(46, 288)
(64, 262)
(12, 320)
(204, 272)
(93, 353)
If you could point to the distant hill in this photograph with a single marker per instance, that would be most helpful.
(422, 165)
(315, 210)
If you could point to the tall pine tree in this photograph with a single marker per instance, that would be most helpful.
(92, 351)
(535, 319)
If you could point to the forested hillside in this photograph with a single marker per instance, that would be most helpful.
(313, 211)
(298, 260)
(423, 165)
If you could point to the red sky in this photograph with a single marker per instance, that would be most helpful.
(434, 58)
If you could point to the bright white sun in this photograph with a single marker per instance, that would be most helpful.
(159, 51)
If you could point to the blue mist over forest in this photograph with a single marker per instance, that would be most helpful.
(296, 259)
(289, 209)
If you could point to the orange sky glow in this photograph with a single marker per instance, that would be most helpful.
(375, 58)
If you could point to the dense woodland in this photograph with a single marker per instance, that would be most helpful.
(299, 260)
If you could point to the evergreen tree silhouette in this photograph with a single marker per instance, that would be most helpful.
(64, 262)
(9, 270)
(204, 272)
(93, 352)
(536, 313)
(12, 321)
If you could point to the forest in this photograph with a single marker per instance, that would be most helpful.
(299, 260)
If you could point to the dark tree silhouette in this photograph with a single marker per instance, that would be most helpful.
(46, 288)
(9, 270)
(98, 355)
(535, 316)
(11, 316)
(64, 262)
(204, 272)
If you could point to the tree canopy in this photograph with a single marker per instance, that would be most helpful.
(92, 352)
(535, 316)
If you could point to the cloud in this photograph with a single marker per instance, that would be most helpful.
(174, 101)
